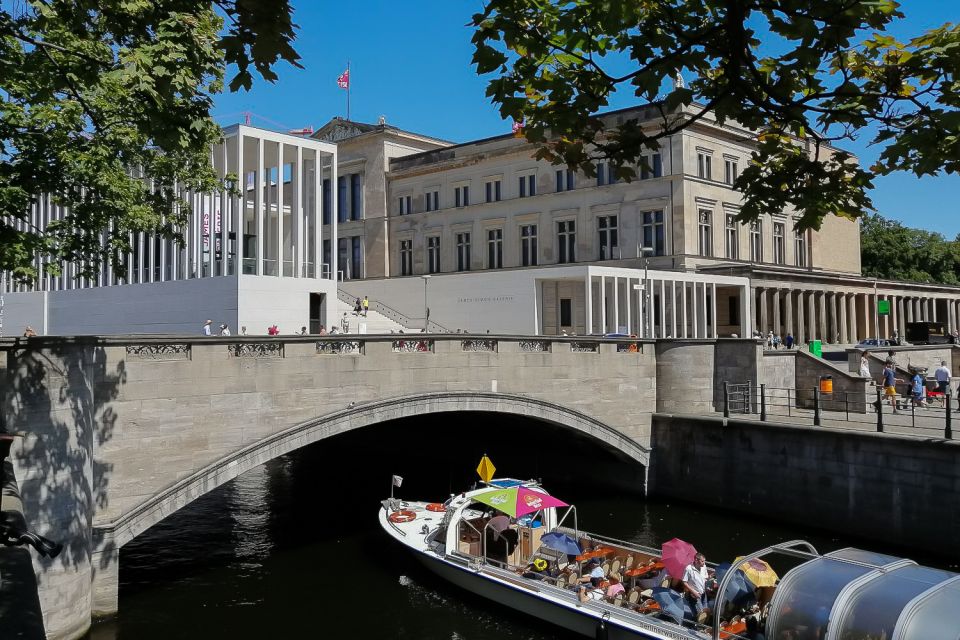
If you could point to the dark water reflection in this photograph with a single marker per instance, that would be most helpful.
(293, 548)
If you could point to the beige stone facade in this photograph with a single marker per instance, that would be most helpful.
(489, 205)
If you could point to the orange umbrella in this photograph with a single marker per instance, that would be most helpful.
(759, 572)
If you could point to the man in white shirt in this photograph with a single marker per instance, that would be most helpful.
(206, 327)
(942, 374)
(695, 585)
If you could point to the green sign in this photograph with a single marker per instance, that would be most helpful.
(883, 307)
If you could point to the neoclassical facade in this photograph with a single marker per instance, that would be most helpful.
(489, 206)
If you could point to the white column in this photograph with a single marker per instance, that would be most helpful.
(280, 256)
(240, 209)
(854, 326)
(683, 308)
(933, 309)
(746, 312)
(801, 319)
(713, 307)
(812, 332)
(588, 301)
(603, 304)
(694, 309)
(629, 297)
(616, 305)
(841, 303)
(296, 214)
(258, 185)
(663, 309)
(764, 324)
(673, 309)
(776, 311)
(334, 240)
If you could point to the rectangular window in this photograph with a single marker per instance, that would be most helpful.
(566, 241)
(566, 312)
(528, 245)
(657, 165)
(493, 190)
(601, 174)
(607, 228)
(706, 232)
(433, 254)
(461, 196)
(729, 171)
(653, 232)
(406, 257)
(463, 252)
(495, 248)
(704, 170)
(327, 256)
(327, 201)
(405, 205)
(756, 241)
(356, 201)
(564, 180)
(431, 201)
(800, 246)
(732, 237)
(341, 198)
(733, 309)
(528, 186)
(356, 257)
(779, 250)
(651, 167)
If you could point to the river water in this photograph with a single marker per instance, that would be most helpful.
(293, 549)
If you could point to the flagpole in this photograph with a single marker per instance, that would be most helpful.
(348, 89)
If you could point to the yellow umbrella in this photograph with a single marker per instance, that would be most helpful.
(759, 572)
(486, 469)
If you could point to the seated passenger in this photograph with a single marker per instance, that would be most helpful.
(694, 585)
(588, 594)
(536, 570)
(593, 573)
(616, 587)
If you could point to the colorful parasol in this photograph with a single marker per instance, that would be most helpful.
(676, 555)
(759, 572)
(518, 501)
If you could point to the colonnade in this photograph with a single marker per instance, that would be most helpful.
(847, 317)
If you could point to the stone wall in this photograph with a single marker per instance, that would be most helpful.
(736, 362)
(849, 389)
(895, 489)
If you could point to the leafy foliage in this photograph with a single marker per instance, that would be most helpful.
(826, 70)
(96, 94)
(891, 250)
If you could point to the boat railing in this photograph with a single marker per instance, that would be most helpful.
(629, 546)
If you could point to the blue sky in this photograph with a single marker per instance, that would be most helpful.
(410, 62)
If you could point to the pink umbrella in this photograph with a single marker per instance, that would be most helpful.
(676, 555)
(529, 501)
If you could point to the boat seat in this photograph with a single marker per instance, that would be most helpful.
(633, 596)
(606, 568)
(615, 566)
(561, 581)
(618, 600)
(628, 563)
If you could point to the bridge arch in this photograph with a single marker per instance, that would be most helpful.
(131, 524)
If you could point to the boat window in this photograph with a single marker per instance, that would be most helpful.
(805, 598)
(868, 557)
(873, 610)
(935, 616)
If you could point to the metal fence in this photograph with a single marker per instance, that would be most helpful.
(811, 405)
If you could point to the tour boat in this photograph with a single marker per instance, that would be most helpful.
(490, 541)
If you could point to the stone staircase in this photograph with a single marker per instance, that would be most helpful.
(381, 318)
(374, 322)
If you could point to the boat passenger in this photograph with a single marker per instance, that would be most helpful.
(616, 587)
(588, 594)
(595, 575)
(695, 586)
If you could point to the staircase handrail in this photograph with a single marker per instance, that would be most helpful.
(393, 314)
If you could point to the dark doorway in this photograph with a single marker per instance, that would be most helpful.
(316, 312)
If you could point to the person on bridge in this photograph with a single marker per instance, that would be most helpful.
(942, 374)
(789, 341)
(366, 306)
(206, 327)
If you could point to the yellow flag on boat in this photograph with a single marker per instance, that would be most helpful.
(486, 469)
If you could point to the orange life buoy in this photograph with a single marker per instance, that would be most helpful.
(436, 506)
(404, 515)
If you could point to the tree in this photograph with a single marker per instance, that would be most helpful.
(890, 250)
(799, 72)
(96, 94)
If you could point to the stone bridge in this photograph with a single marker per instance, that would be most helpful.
(120, 432)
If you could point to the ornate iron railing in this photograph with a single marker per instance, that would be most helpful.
(256, 350)
(413, 346)
(535, 346)
(585, 347)
(489, 346)
(341, 347)
(158, 351)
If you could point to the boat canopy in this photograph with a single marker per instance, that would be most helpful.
(852, 593)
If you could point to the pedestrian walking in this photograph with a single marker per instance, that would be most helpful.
(942, 374)
(224, 329)
(345, 322)
(207, 328)
(366, 306)
(29, 332)
(789, 341)
(890, 381)
(864, 365)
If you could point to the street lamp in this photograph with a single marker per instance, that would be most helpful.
(426, 309)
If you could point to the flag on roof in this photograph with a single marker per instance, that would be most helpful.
(343, 80)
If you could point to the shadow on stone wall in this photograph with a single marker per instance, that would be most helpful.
(59, 398)
(20, 612)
